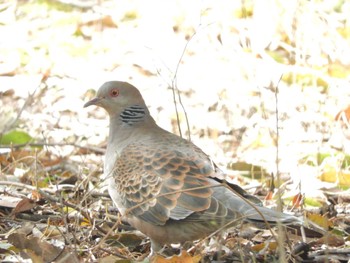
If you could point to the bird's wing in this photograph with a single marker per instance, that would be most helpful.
(158, 183)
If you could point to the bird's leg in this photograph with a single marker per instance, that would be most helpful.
(156, 248)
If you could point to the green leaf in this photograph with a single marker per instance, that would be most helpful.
(309, 201)
(15, 137)
(249, 170)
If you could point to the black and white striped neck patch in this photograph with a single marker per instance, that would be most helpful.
(133, 114)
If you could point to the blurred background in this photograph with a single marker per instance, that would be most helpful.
(238, 65)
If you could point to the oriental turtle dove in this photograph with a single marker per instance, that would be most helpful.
(164, 185)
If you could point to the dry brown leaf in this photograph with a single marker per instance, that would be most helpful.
(269, 196)
(17, 155)
(24, 205)
(125, 239)
(297, 200)
(111, 259)
(36, 195)
(183, 258)
(343, 113)
(48, 161)
(261, 246)
(320, 220)
(331, 240)
(39, 249)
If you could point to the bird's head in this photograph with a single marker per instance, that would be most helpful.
(115, 96)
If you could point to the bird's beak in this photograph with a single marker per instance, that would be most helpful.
(94, 101)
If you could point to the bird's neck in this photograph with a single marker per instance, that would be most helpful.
(133, 122)
(133, 115)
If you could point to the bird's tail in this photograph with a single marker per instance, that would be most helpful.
(262, 214)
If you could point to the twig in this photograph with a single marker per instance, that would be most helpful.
(331, 251)
(60, 187)
(42, 144)
(116, 224)
(17, 184)
(28, 99)
(113, 253)
(174, 87)
(279, 203)
(63, 202)
(37, 217)
(81, 4)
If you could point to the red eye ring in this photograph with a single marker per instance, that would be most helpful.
(114, 92)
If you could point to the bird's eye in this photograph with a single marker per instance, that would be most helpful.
(114, 93)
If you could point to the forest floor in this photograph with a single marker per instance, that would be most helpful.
(265, 86)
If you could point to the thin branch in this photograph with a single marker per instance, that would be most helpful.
(25, 104)
(43, 144)
(113, 253)
(279, 203)
(174, 87)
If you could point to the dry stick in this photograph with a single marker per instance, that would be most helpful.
(65, 239)
(82, 211)
(96, 149)
(110, 231)
(281, 249)
(22, 185)
(14, 162)
(47, 191)
(28, 99)
(37, 217)
(60, 187)
(174, 86)
(331, 251)
(113, 253)
(66, 224)
(48, 196)
(277, 141)
(42, 144)
(36, 169)
(91, 192)
(63, 202)
(223, 227)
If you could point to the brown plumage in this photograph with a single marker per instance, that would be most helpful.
(164, 185)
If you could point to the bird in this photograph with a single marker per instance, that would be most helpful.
(164, 185)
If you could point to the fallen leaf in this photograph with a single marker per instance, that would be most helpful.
(331, 240)
(313, 201)
(36, 195)
(125, 240)
(24, 205)
(343, 115)
(269, 245)
(40, 249)
(113, 259)
(269, 196)
(297, 200)
(320, 220)
(15, 137)
(183, 258)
